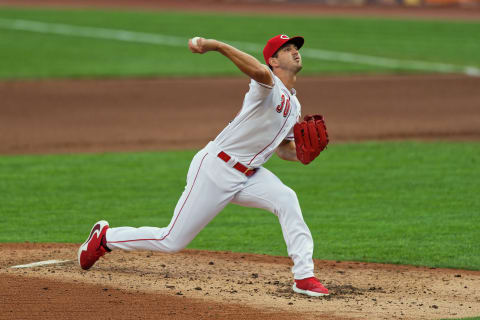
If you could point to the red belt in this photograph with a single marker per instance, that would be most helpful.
(240, 167)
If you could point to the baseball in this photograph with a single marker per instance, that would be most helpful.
(195, 41)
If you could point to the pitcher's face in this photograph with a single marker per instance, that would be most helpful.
(288, 57)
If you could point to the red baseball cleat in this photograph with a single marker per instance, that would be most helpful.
(92, 249)
(311, 287)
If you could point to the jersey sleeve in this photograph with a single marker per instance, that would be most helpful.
(260, 90)
(290, 135)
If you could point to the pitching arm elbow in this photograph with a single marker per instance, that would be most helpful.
(247, 64)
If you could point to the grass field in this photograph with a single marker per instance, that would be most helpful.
(407, 203)
(26, 54)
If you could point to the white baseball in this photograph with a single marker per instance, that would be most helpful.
(195, 41)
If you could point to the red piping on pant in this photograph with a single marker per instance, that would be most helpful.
(193, 184)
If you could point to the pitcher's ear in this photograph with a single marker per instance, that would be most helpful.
(272, 61)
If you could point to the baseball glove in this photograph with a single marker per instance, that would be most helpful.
(311, 137)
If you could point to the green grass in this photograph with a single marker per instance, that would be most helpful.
(406, 203)
(26, 54)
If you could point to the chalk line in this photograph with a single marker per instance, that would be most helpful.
(159, 39)
(40, 263)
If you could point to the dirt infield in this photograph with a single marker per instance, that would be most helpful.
(155, 114)
(264, 7)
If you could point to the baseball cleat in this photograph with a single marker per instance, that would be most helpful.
(311, 287)
(93, 248)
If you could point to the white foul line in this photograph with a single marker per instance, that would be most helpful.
(40, 263)
(158, 39)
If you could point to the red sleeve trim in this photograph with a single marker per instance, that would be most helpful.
(265, 85)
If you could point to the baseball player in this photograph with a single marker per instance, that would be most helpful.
(229, 169)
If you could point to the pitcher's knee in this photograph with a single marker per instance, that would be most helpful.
(287, 200)
(173, 247)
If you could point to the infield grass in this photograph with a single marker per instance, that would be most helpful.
(25, 54)
(404, 203)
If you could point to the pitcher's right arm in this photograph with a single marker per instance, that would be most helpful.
(245, 62)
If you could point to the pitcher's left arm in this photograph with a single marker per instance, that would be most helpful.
(287, 150)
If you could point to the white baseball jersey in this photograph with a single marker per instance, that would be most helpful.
(266, 118)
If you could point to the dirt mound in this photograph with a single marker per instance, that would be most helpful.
(218, 285)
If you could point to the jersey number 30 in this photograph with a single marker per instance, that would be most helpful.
(284, 106)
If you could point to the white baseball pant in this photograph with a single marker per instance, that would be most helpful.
(211, 185)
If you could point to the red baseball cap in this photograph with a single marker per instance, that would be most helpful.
(276, 42)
